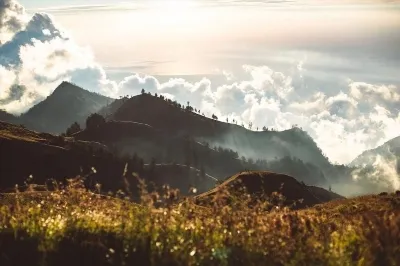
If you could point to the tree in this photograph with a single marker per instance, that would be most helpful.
(265, 128)
(155, 94)
(250, 125)
(94, 121)
(143, 91)
(189, 108)
(74, 128)
(227, 120)
(214, 117)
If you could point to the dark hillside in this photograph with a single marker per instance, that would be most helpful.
(25, 153)
(175, 119)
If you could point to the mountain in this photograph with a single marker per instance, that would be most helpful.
(389, 151)
(66, 105)
(41, 158)
(130, 138)
(260, 184)
(6, 117)
(177, 120)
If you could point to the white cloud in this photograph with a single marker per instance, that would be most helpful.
(38, 57)
(12, 19)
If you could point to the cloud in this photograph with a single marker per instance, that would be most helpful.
(38, 57)
(382, 172)
(12, 19)
(265, 98)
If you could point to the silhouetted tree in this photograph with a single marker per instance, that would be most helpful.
(94, 121)
(74, 128)
(265, 128)
(250, 125)
(214, 117)
(155, 94)
(143, 91)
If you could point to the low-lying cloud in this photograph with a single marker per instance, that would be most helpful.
(36, 55)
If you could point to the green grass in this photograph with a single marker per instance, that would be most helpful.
(73, 226)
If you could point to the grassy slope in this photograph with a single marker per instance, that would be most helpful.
(75, 227)
(263, 183)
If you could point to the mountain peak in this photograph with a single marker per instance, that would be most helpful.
(65, 85)
(67, 104)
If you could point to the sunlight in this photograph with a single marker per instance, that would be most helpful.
(173, 5)
(174, 13)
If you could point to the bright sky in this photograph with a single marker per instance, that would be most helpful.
(183, 37)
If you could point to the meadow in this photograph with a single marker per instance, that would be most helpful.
(73, 226)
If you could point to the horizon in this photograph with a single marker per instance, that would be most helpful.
(332, 69)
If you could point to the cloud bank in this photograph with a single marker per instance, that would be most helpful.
(36, 55)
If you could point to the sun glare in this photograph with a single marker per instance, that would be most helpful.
(173, 5)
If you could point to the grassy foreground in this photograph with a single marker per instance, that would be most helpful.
(73, 226)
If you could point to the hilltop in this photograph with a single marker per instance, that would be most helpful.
(265, 184)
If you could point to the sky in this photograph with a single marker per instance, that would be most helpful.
(331, 67)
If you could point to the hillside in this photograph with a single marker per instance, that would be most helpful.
(174, 120)
(46, 157)
(130, 138)
(66, 105)
(323, 194)
(263, 184)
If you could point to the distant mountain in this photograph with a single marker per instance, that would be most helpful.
(178, 120)
(6, 117)
(389, 151)
(66, 105)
